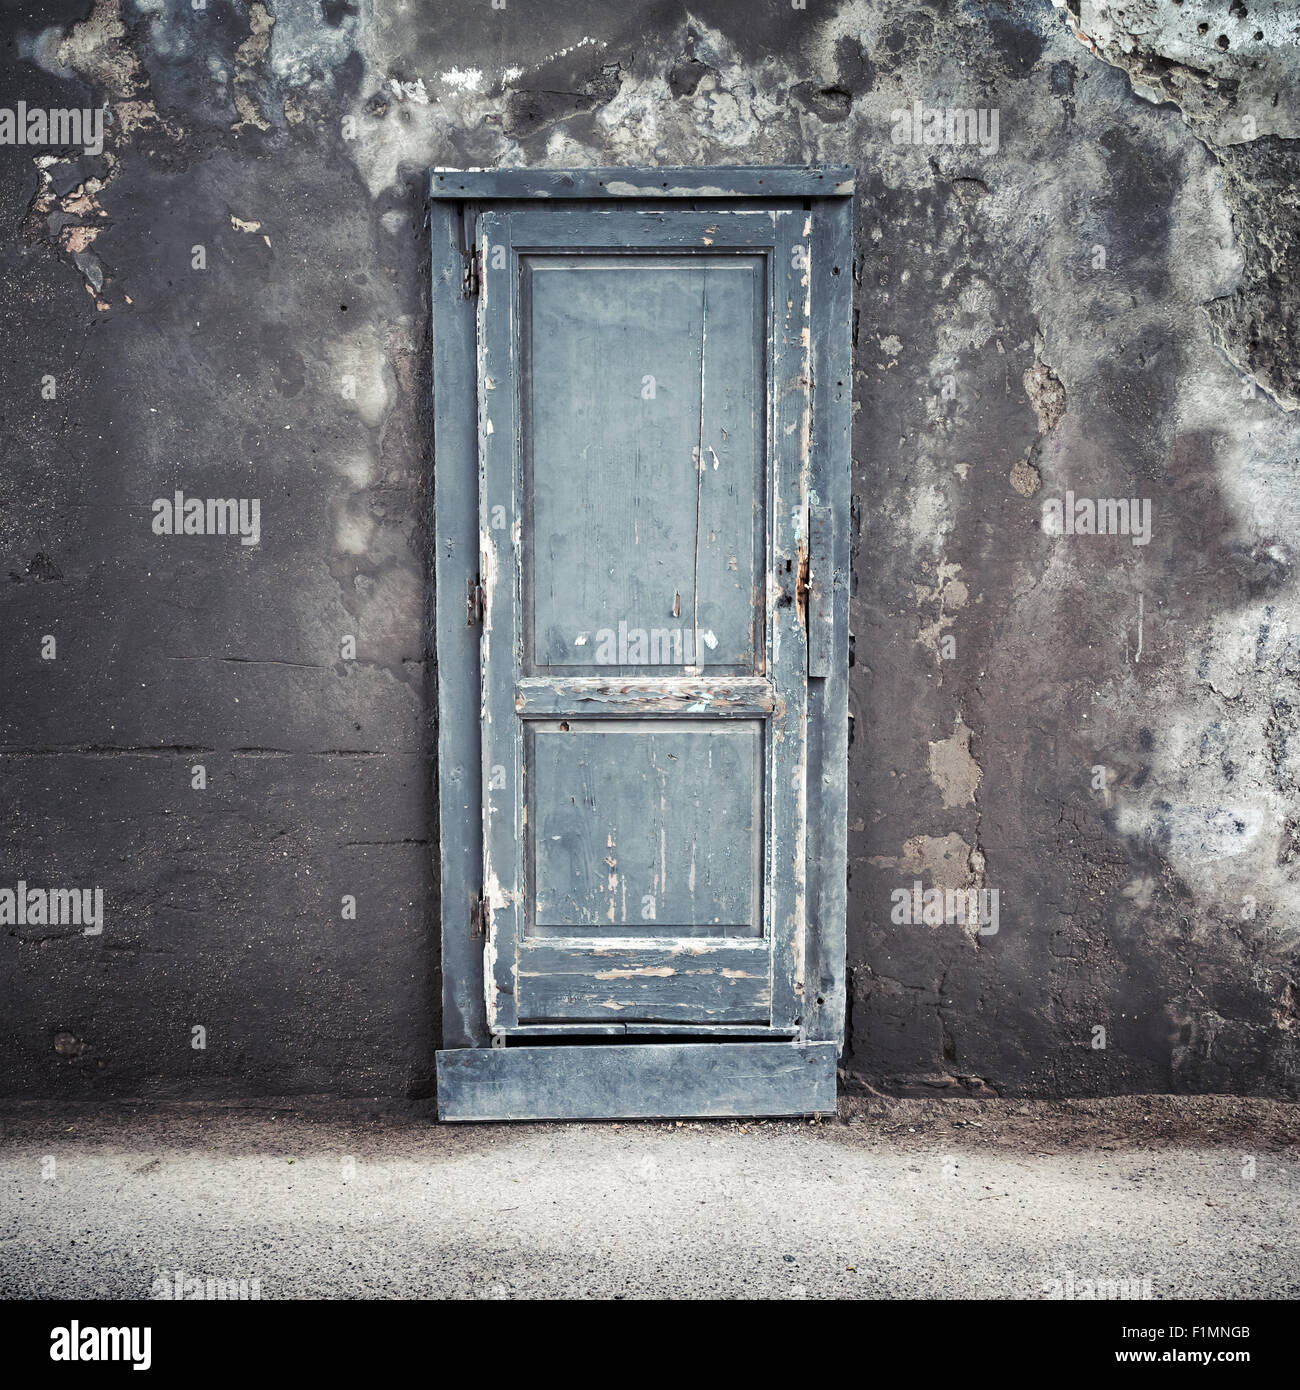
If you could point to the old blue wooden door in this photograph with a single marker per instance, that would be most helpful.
(644, 426)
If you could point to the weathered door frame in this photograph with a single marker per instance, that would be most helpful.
(479, 1076)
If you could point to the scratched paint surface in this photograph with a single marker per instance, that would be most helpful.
(649, 828)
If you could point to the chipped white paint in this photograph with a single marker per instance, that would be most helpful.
(674, 945)
(465, 79)
(662, 972)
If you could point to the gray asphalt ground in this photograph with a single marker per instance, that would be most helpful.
(931, 1199)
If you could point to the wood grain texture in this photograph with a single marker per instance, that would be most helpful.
(622, 695)
(641, 979)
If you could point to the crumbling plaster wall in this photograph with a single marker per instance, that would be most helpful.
(1106, 304)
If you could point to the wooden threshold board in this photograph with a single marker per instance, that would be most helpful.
(636, 1081)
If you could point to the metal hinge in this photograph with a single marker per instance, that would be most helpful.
(478, 916)
(475, 603)
(469, 285)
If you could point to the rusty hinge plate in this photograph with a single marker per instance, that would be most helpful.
(475, 603)
(469, 285)
(478, 917)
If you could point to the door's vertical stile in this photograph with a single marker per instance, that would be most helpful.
(499, 544)
(699, 461)
(459, 761)
(733, 469)
(789, 451)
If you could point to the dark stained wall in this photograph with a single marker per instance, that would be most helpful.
(1108, 734)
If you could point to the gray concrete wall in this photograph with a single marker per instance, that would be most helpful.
(1106, 303)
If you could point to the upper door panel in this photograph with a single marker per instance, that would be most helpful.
(642, 392)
